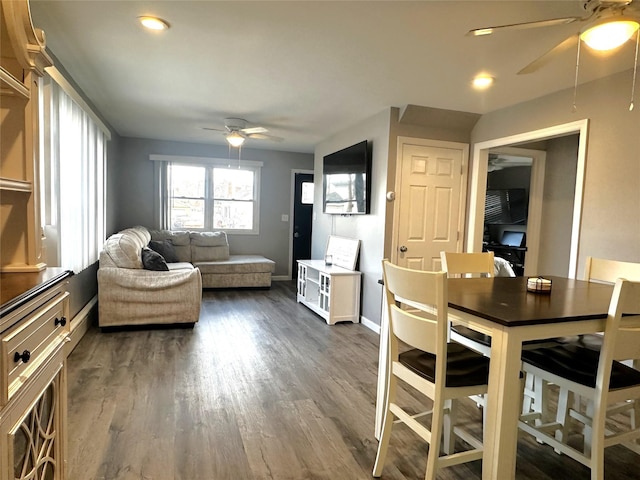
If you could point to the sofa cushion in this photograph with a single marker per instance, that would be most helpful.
(238, 264)
(180, 241)
(164, 248)
(209, 246)
(125, 250)
(152, 260)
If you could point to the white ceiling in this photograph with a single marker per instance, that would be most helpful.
(304, 69)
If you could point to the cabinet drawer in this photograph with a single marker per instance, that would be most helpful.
(27, 344)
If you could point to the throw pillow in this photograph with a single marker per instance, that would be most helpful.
(153, 260)
(164, 248)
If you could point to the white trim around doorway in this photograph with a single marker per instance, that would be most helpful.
(478, 183)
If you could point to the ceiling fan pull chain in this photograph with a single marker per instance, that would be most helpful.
(574, 108)
(635, 71)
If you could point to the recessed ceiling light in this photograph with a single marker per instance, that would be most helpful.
(482, 81)
(153, 23)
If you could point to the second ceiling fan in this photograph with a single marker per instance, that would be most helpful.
(608, 25)
(237, 130)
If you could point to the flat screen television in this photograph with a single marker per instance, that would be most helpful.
(347, 181)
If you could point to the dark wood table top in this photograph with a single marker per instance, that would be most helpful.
(505, 300)
(17, 288)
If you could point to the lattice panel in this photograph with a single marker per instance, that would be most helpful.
(34, 440)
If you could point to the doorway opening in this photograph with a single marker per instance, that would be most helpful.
(478, 188)
(506, 209)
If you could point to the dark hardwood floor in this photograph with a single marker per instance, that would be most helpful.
(261, 388)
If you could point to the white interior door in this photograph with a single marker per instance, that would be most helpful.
(429, 210)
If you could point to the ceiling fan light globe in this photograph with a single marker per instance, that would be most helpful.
(609, 35)
(235, 139)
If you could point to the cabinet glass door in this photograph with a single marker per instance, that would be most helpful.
(302, 277)
(33, 443)
(325, 288)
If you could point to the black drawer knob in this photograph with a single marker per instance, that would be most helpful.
(24, 356)
(61, 321)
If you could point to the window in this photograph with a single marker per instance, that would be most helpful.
(307, 193)
(209, 195)
(73, 146)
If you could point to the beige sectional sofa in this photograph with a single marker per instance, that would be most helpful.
(130, 294)
(209, 252)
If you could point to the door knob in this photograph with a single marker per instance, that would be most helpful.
(296, 235)
(403, 249)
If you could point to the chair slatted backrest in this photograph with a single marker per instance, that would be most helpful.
(608, 271)
(424, 291)
(468, 264)
(624, 316)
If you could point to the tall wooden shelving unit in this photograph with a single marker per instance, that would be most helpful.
(22, 61)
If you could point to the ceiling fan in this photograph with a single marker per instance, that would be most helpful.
(236, 131)
(602, 20)
(500, 162)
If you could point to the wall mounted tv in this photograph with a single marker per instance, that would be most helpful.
(347, 181)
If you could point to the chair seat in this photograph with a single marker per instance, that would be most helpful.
(580, 365)
(464, 366)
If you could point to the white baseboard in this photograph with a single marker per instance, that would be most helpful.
(280, 278)
(371, 325)
(80, 324)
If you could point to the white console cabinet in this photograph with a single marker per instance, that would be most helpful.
(331, 287)
(332, 292)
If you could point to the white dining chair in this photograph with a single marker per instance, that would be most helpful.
(598, 377)
(426, 366)
(602, 270)
(598, 270)
(469, 265)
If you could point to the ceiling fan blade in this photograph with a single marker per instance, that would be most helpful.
(250, 130)
(521, 26)
(541, 61)
(214, 129)
(262, 136)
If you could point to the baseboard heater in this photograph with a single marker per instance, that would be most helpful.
(81, 323)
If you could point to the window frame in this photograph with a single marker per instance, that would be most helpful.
(163, 196)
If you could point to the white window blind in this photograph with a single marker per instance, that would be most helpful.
(72, 171)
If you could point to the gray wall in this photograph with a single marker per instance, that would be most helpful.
(368, 228)
(610, 223)
(511, 177)
(557, 205)
(135, 191)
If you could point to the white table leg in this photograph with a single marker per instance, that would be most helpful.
(503, 408)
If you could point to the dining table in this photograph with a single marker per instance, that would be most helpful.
(504, 309)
